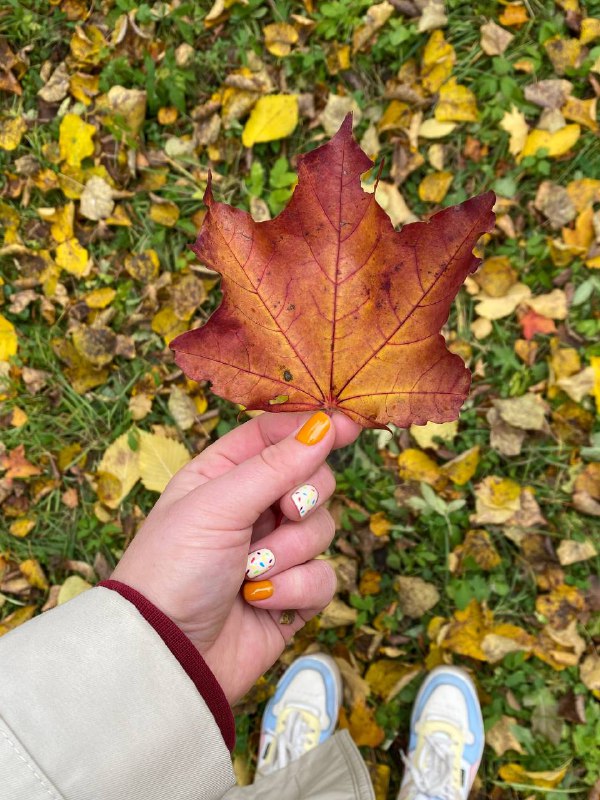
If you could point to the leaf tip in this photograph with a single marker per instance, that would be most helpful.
(208, 198)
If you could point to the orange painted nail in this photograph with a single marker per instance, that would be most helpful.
(257, 590)
(314, 429)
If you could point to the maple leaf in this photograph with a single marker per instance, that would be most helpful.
(327, 306)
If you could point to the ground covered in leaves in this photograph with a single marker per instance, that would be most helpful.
(472, 543)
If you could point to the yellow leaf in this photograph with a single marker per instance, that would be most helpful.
(438, 60)
(11, 133)
(75, 139)
(338, 58)
(466, 631)
(497, 500)
(514, 123)
(561, 606)
(589, 672)
(17, 618)
(362, 726)
(379, 524)
(581, 111)
(557, 143)
(514, 14)
(584, 192)
(456, 103)
(100, 298)
(123, 110)
(18, 418)
(499, 307)
(590, 30)
(434, 187)
(552, 305)
(388, 677)
(84, 87)
(279, 38)
(167, 115)
(273, 117)
(375, 18)
(370, 582)
(87, 44)
(415, 465)
(70, 255)
(515, 773)
(34, 573)
(122, 462)
(22, 526)
(564, 53)
(8, 339)
(461, 469)
(143, 266)
(160, 459)
(432, 129)
(595, 364)
(478, 546)
(167, 324)
(396, 116)
(72, 586)
(165, 214)
(424, 435)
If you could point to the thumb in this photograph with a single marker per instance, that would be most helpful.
(243, 493)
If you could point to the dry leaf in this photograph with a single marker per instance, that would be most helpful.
(120, 461)
(553, 305)
(375, 18)
(526, 412)
(75, 140)
(570, 551)
(496, 500)
(11, 133)
(434, 187)
(415, 596)
(456, 103)
(72, 586)
(273, 117)
(388, 677)
(96, 201)
(8, 339)
(515, 773)
(494, 39)
(424, 435)
(499, 307)
(501, 738)
(557, 143)
(337, 614)
(478, 546)
(461, 469)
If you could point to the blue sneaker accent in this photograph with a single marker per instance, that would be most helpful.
(332, 693)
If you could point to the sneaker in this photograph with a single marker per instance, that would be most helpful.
(446, 738)
(302, 713)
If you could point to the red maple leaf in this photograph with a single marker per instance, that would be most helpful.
(531, 323)
(327, 306)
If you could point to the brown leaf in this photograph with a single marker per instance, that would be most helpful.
(360, 287)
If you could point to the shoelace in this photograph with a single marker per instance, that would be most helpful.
(291, 741)
(434, 776)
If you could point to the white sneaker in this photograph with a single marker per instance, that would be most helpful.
(302, 713)
(446, 738)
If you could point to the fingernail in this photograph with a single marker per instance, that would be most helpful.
(259, 562)
(314, 429)
(261, 590)
(305, 498)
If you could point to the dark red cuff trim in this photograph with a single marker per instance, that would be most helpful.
(187, 655)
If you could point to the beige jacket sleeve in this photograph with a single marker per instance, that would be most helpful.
(95, 706)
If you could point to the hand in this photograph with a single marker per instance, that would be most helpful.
(191, 554)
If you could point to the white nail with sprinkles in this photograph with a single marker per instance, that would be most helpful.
(259, 562)
(305, 498)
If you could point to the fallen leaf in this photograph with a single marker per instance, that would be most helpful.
(515, 124)
(515, 773)
(22, 527)
(570, 551)
(336, 111)
(434, 187)
(34, 573)
(391, 200)
(438, 60)
(159, 459)
(375, 18)
(564, 53)
(123, 463)
(551, 93)
(96, 201)
(414, 465)
(17, 618)
(500, 737)
(361, 723)
(590, 30)
(279, 38)
(514, 14)
(478, 546)
(166, 214)
(415, 596)
(73, 586)
(16, 465)
(424, 435)
(337, 614)
(496, 500)
(8, 339)
(432, 129)
(388, 677)
(143, 266)
(554, 202)
(499, 307)
(269, 365)
(589, 672)
(496, 276)
(273, 117)
(11, 133)
(579, 385)
(433, 16)
(75, 139)
(379, 524)
(526, 412)
(123, 109)
(494, 39)
(532, 323)
(57, 86)
(73, 258)
(581, 111)
(561, 606)
(461, 469)
(456, 103)
(557, 143)
(552, 305)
